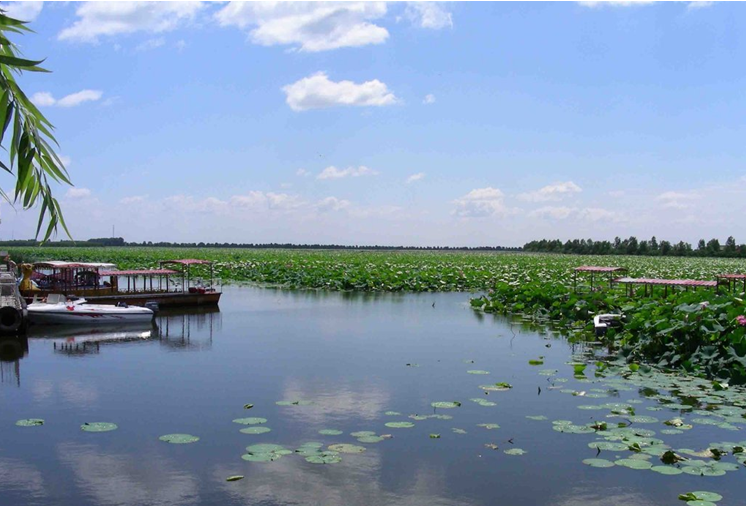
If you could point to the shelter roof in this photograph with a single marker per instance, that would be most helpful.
(731, 276)
(139, 272)
(666, 282)
(58, 264)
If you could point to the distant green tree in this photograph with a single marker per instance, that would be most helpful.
(32, 159)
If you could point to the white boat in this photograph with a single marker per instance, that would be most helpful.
(58, 310)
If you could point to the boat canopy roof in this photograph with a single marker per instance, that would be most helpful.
(57, 264)
(139, 272)
(188, 261)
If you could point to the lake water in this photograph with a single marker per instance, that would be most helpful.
(348, 355)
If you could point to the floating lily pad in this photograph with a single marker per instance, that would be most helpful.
(400, 425)
(598, 463)
(634, 463)
(179, 438)
(30, 422)
(667, 470)
(329, 457)
(370, 439)
(515, 451)
(362, 433)
(392, 413)
(234, 478)
(250, 421)
(248, 406)
(642, 419)
(434, 436)
(483, 402)
(256, 430)
(537, 417)
(330, 432)
(477, 371)
(98, 426)
(488, 426)
(703, 495)
(346, 448)
(446, 404)
(458, 431)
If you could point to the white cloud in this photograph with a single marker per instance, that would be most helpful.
(616, 3)
(482, 202)
(416, 177)
(98, 19)
(309, 26)
(592, 214)
(332, 172)
(135, 199)
(429, 99)
(46, 99)
(269, 200)
(151, 44)
(25, 11)
(428, 15)
(555, 191)
(78, 193)
(677, 200)
(333, 204)
(302, 173)
(318, 92)
(693, 6)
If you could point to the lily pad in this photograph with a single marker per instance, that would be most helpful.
(667, 470)
(400, 425)
(634, 463)
(598, 463)
(515, 451)
(234, 478)
(250, 421)
(392, 413)
(477, 371)
(30, 422)
(458, 431)
(248, 406)
(256, 430)
(434, 436)
(179, 438)
(98, 426)
(370, 439)
(483, 402)
(362, 433)
(537, 417)
(446, 404)
(330, 432)
(488, 426)
(330, 457)
(347, 448)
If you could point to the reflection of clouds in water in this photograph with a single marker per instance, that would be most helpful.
(601, 496)
(353, 482)
(74, 392)
(17, 476)
(127, 479)
(335, 401)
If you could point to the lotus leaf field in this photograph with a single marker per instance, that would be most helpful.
(699, 331)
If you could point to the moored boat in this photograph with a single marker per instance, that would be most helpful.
(57, 310)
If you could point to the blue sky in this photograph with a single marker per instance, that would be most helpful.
(393, 123)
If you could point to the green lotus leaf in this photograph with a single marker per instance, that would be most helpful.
(362, 433)
(250, 421)
(458, 431)
(515, 451)
(256, 430)
(347, 448)
(400, 425)
(704, 495)
(179, 438)
(434, 436)
(667, 470)
(392, 413)
(483, 402)
(248, 406)
(30, 422)
(329, 457)
(537, 417)
(98, 426)
(234, 478)
(488, 426)
(370, 439)
(598, 463)
(634, 463)
(331, 432)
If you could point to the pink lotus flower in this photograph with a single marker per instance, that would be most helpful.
(741, 320)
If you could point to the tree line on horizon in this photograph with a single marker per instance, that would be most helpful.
(119, 241)
(633, 246)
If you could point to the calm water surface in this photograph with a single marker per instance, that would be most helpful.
(346, 353)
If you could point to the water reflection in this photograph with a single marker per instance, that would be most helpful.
(119, 478)
(335, 401)
(20, 478)
(12, 350)
(191, 329)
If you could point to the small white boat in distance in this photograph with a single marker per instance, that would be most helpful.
(57, 310)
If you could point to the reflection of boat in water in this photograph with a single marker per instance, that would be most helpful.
(71, 340)
(56, 310)
(12, 350)
(190, 329)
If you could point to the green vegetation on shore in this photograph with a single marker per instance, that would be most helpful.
(677, 331)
